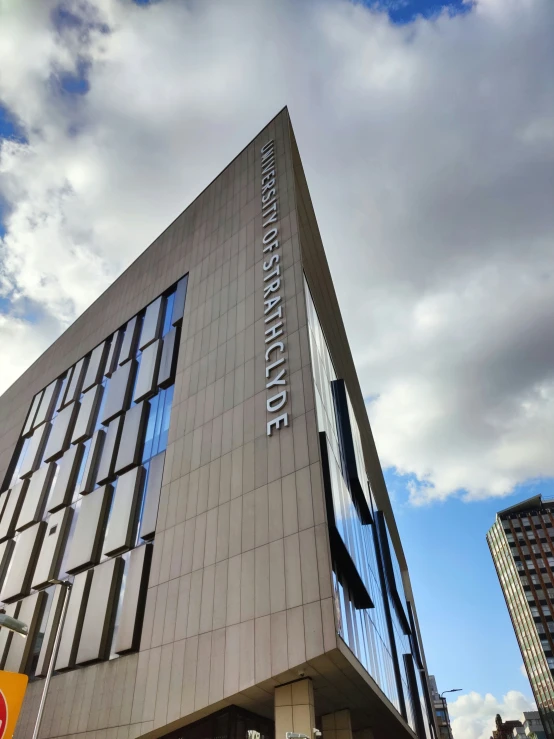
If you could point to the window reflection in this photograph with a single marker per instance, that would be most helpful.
(364, 630)
(155, 442)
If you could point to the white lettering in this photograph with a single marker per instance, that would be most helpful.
(274, 331)
(277, 380)
(272, 366)
(270, 220)
(278, 314)
(275, 285)
(276, 271)
(276, 370)
(276, 402)
(268, 196)
(274, 259)
(270, 303)
(267, 187)
(277, 423)
(267, 210)
(268, 166)
(270, 235)
(278, 345)
(271, 247)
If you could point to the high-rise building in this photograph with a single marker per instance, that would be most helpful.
(521, 542)
(441, 710)
(193, 454)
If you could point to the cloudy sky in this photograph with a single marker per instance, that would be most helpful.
(427, 135)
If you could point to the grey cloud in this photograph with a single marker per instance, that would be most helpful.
(428, 151)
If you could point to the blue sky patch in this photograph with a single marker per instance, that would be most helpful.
(9, 127)
(406, 11)
(76, 84)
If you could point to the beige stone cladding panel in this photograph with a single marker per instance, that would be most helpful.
(240, 585)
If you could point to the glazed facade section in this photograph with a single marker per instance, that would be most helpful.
(371, 608)
(522, 546)
(81, 495)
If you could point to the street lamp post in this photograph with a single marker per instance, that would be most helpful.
(66, 587)
(446, 715)
(13, 624)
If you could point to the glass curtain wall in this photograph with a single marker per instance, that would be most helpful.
(155, 442)
(364, 629)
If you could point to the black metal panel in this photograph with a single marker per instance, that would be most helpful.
(64, 485)
(109, 452)
(49, 637)
(179, 301)
(35, 498)
(88, 480)
(30, 420)
(428, 704)
(151, 323)
(119, 392)
(21, 650)
(12, 466)
(48, 402)
(71, 634)
(414, 695)
(134, 600)
(152, 496)
(132, 437)
(346, 441)
(60, 435)
(146, 384)
(390, 628)
(86, 421)
(389, 572)
(123, 515)
(53, 545)
(27, 547)
(129, 342)
(73, 390)
(100, 612)
(113, 355)
(414, 641)
(6, 551)
(35, 450)
(345, 565)
(168, 364)
(95, 369)
(88, 536)
(12, 508)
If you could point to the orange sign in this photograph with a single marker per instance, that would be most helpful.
(12, 692)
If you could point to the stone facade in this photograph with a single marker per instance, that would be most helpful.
(241, 606)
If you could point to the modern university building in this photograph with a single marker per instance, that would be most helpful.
(194, 456)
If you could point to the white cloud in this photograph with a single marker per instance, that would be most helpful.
(523, 670)
(472, 715)
(428, 151)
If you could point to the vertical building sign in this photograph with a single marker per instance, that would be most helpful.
(276, 371)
